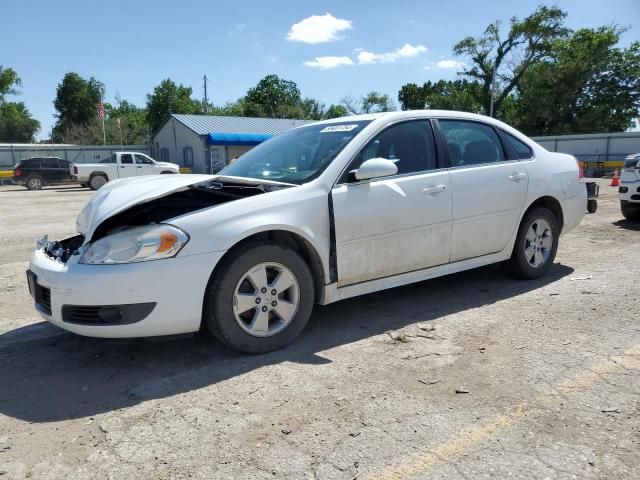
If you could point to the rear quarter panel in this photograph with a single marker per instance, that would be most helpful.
(556, 175)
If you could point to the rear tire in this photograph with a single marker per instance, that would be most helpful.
(536, 244)
(251, 317)
(34, 182)
(630, 211)
(97, 181)
(592, 205)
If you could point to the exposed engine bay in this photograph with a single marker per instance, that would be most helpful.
(179, 203)
(61, 250)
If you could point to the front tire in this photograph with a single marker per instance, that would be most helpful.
(630, 211)
(592, 205)
(536, 244)
(259, 299)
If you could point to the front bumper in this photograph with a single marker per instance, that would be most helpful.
(176, 286)
(629, 192)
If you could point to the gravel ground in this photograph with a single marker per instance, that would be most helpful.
(469, 376)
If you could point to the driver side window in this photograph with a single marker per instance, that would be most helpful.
(410, 145)
(142, 160)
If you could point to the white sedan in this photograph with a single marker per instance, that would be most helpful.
(324, 212)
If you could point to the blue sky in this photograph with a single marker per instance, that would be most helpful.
(377, 45)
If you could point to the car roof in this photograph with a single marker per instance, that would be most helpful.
(388, 117)
(402, 114)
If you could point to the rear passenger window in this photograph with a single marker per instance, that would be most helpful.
(471, 143)
(409, 145)
(48, 163)
(126, 158)
(523, 151)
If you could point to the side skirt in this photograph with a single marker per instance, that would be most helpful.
(333, 294)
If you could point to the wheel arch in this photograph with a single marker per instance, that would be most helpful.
(552, 204)
(97, 173)
(293, 240)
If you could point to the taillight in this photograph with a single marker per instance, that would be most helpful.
(75, 169)
(17, 172)
(580, 170)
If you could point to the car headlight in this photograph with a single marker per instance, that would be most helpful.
(139, 244)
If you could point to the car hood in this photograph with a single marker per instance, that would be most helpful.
(167, 165)
(120, 195)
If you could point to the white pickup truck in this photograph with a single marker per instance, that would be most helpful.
(118, 165)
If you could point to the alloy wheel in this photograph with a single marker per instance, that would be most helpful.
(266, 299)
(538, 243)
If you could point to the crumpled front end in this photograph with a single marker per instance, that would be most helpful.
(129, 300)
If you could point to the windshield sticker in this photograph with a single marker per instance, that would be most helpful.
(338, 128)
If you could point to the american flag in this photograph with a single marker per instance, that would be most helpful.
(100, 110)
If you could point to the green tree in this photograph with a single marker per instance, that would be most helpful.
(372, 102)
(76, 103)
(9, 82)
(133, 122)
(527, 42)
(16, 123)
(274, 97)
(335, 111)
(588, 86)
(460, 95)
(169, 98)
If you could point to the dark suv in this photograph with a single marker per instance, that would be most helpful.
(34, 173)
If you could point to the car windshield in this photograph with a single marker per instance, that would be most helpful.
(296, 156)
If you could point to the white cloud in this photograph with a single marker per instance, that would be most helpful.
(450, 64)
(318, 29)
(326, 63)
(406, 51)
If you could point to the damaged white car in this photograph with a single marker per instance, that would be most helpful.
(324, 212)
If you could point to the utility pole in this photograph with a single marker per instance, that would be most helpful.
(206, 100)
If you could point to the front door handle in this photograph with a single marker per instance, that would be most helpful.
(434, 190)
(517, 177)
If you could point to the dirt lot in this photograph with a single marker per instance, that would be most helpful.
(470, 376)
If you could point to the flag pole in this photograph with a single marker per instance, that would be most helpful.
(104, 135)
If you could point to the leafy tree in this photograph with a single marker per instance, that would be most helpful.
(372, 102)
(76, 103)
(588, 86)
(9, 82)
(460, 95)
(169, 98)
(335, 111)
(16, 123)
(527, 42)
(273, 97)
(133, 122)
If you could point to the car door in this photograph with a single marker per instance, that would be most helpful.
(50, 170)
(396, 224)
(127, 167)
(488, 188)
(64, 173)
(144, 165)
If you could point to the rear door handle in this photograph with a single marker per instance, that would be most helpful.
(434, 190)
(517, 177)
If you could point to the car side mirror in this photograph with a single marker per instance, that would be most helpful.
(374, 168)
